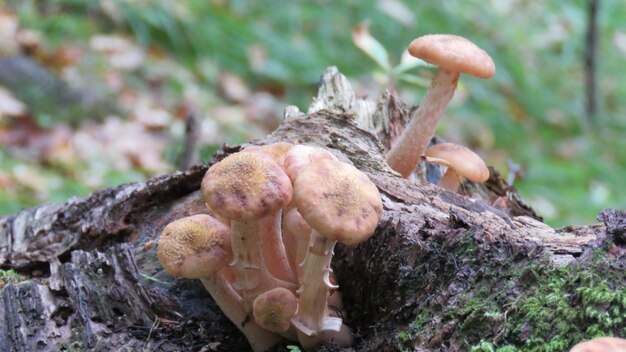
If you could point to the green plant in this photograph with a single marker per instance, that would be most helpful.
(390, 75)
(294, 348)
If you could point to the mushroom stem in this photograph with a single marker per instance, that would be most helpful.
(229, 302)
(405, 154)
(273, 247)
(313, 316)
(450, 180)
(297, 234)
(253, 277)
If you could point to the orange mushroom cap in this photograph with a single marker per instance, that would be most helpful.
(464, 161)
(300, 156)
(246, 186)
(273, 309)
(453, 53)
(338, 201)
(194, 247)
(276, 150)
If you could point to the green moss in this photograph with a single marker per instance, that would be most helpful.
(9, 276)
(500, 300)
(75, 346)
(554, 311)
(406, 337)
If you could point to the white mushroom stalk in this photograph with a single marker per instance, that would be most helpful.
(405, 154)
(313, 316)
(453, 55)
(297, 233)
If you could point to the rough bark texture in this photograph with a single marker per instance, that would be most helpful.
(443, 271)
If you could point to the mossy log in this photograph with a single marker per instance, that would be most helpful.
(443, 272)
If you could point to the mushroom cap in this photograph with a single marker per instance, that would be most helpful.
(276, 150)
(464, 161)
(453, 53)
(601, 344)
(194, 247)
(246, 186)
(338, 201)
(273, 309)
(300, 156)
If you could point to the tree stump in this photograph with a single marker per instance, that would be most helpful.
(443, 272)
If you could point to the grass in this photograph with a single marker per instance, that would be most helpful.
(531, 112)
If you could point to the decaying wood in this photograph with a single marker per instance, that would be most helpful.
(94, 283)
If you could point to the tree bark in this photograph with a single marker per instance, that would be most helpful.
(443, 272)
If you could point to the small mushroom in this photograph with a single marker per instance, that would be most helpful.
(199, 247)
(274, 309)
(601, 344)
(342, 205)
(453, 55)
(245, 188)
(460, 161)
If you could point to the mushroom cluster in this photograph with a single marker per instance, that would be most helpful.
(453, 55)
(265, 257)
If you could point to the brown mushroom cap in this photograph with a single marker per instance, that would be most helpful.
(338, 201)
(453, 53)
(464, 161)
(194, 247)
(246, 186)
(601, 344)
(273, 309)
(300, 156)
(276, 150)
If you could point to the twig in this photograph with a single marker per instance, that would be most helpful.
(192, 134)
(591, 56)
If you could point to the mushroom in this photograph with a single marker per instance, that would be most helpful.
(274, 309)
(342, 205)
(453, 55)
(245, 188)
(274, 252)
(277, 150)
(300, 156)
(199, 247)
(601, 344)
(461, 162)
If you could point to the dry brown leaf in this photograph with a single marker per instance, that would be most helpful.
(122, 53)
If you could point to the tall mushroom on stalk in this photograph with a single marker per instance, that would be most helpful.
(342, 205)
(274, 252)
(246, 187)
(460, 161)
(454, 55)
(199, 247)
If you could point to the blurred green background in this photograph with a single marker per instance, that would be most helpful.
(237, 64)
